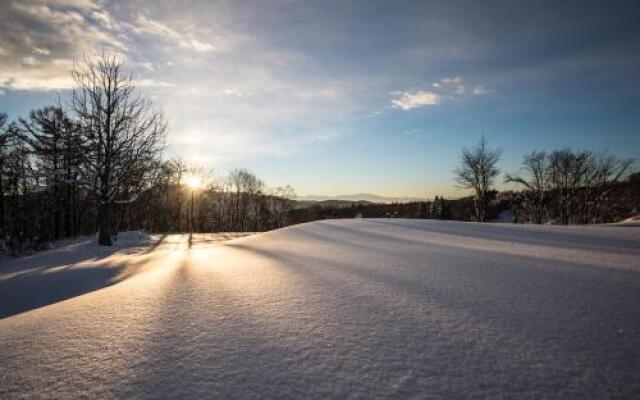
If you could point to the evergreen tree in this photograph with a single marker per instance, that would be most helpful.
(51, 136)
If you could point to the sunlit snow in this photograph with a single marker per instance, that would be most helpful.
(337, 309)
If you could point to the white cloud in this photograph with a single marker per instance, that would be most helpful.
(30, 61)
(80, 4)
(41, 50)
(37, 82)
(41, 38)
(254, 99)
(448, 88)
(454, 84)
(198, 45)
(105, 19)
(417, 99)
(187, 40)
(149, 66)
(153, 83)
(480, 90)
(457, 86)
(152, 27)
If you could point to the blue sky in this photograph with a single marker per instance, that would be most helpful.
(347, 97)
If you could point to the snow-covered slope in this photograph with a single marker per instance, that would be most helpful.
(346, 309)
(631, 221)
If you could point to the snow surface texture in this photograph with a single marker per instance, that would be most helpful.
(345, 309)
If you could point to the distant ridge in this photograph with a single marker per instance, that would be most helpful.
(373, 198)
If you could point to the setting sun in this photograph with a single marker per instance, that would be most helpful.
(194, 182)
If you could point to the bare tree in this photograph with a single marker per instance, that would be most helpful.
(568, 174)
(535, 181)
(120, 131)
(569, 186)
(478, 171)
(606, 170)
(178, 170)
(281, 201)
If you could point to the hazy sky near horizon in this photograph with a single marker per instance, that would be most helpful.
(338, 97)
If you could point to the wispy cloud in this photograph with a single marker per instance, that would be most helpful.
(417, 99)
(457, 86)
(447, 88)
(41, 38)
(147, 83)
(41, 51)
(451, 85)
(144, 24)
(412, 132)
(480, 90)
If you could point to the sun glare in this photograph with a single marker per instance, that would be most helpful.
(194, 182)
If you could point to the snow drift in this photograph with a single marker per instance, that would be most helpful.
(347, 309)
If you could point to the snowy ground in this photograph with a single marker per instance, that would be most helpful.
(335, 309)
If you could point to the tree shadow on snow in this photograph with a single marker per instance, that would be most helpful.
(539, 309)
(73, 270)
(584, 237)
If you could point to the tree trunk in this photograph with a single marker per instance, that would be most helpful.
(2, 218)
(104, 224)
(67, 211)
(179, 211)
(57, 217)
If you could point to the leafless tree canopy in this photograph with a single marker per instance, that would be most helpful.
(478, 171)
(239, 201)
(536, 183)
(567, 186)
(120, 133)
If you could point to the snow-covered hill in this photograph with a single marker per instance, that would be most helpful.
(341, 309)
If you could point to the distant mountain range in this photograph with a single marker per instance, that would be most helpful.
(372, 198)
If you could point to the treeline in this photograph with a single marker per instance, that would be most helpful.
(238, 202)
(574, 187)
(95, 165)
(562, 186)
(42, 198)
(558, 187)
(438, 208)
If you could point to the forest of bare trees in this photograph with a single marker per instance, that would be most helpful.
(569, 187)
(562, 186)
(96, 165)
(238, 202)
